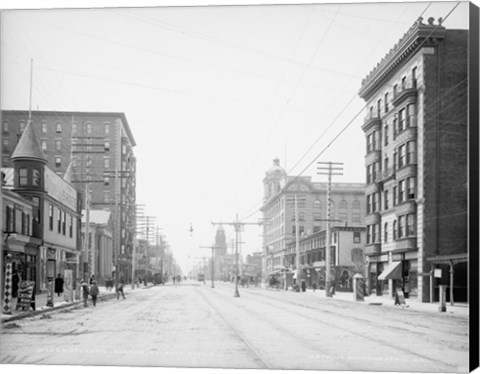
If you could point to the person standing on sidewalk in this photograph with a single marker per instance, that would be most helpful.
(85, 292)
(94, 291)
(59, 285)
(120, 290)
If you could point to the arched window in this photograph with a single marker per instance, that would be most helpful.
(343, 211)
(356, 212)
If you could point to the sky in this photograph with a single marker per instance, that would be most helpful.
(212, 93)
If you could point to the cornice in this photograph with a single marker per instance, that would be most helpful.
(419, 35)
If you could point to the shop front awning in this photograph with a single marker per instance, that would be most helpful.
(393, 271)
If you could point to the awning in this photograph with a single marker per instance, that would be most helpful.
(393, 271)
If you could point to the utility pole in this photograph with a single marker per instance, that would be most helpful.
(329, 168)
(212, 270)
(238, 226)
(297, 246)
(134, 240)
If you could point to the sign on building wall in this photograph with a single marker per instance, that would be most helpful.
(60, 190)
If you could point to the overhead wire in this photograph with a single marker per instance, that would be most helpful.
(358, 113)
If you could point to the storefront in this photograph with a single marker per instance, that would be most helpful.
(452, 272)
(24, 257)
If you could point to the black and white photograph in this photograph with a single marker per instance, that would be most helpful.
(239, 185)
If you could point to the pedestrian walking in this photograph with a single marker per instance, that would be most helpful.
(94, 292)
(85, 292)
(303, 285)
(59, 285)
(120, 290)
(92, 279)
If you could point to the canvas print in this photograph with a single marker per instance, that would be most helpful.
(261, 186)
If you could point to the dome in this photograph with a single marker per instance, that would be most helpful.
(276, 171)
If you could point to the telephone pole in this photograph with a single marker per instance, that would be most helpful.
(329, 168)
(238, 226)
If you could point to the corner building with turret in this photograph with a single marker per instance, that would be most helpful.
(416, 165)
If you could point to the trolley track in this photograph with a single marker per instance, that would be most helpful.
(287, 309)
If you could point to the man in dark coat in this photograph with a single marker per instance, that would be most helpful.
(59, 285)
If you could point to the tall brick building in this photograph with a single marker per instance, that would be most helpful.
(86, 145)
(416, 161)
(347, 208)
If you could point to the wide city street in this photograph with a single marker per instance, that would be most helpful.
(194, 325)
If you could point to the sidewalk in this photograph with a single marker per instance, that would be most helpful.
(60, 303)
(459, 309)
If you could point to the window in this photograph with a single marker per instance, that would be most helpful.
(410, 111)
(58, 161)
(411, 225)
(356, 237)
(401, 227)
(395, 157)
(21, 126)
(411, 152)
(70, 226)
(89, 128)
(395, 196)
(44, 127)
(107, 146)
(22, 176)
(369, 204)
(107, 129)
(58, 145)
(59, 221)
(385, 134)
(395, 89)
(401, 120)
(414, 77)
(36, 177)
(44, 144)
(401, 156)
(404, 82)
(379, 108)
(64, 222)
(385, 232)
(411, 189)
(356, 212)
(10, 219)
(58, 127)
(395, 230)
(385, 165)
(5, 126)
(106, 162)
(106, 181)
(401, 191)
(385, 199)
(386, 102)
(50, 212)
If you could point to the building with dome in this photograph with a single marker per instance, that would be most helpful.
(280, 189)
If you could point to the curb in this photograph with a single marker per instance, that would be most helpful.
(72, 305)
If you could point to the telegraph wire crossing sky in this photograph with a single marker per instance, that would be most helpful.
(213, 94)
